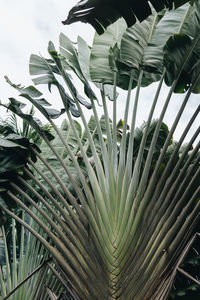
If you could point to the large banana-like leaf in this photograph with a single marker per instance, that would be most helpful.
(100, 52)
(140, 46)
(100, 13)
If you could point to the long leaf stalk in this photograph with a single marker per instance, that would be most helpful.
(122, 155)
(91, 173)
(180, 175)
(72, 91)
(179, 210)
(98, 164)
(129, 166)
(164, 289)
(103, 198)
(83, 181)
(111, 237)
(109, 172)
(114, 134)
(124, 207)
(104, 151)
(57, 230)
(100, 200)
(122, 182)
(68, 218)
(108, 127)
(111, 189)
(137, 166)
(173, 157)
(62, 212)
(8, 269)
(14, 265)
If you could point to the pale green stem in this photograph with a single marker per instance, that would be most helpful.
(129, 157)
(125, 123)
(107, 119)
(8, 270)
(14, 264)
(107, 164)
(101, 203)
(122, 179)
(124, 206)
(2, 283)
(137, 166)
(22, 244)
(104, 151)
(114, 144)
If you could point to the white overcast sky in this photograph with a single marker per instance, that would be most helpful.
(26, 28)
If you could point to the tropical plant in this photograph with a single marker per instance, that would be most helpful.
(123, 230)
(101, 13)
(20, 252)
(18, 267)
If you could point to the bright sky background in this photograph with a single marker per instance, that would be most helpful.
(26, 28)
